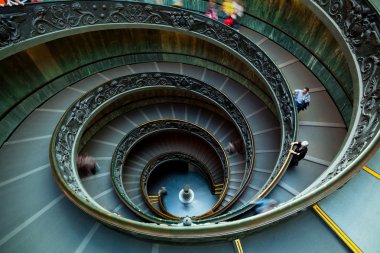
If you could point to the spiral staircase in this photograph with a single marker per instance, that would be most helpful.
(155, 93)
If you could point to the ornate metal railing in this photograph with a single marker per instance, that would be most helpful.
(75, 16)
(70, 128)
(265, 190)
(59, 19)
(176, 156)
(359, 25)
(126, 145)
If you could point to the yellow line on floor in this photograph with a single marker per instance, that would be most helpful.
(238, 246)
(373, 173)
(337, 230)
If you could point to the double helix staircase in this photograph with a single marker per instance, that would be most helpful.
(37, 217)
(267, 134)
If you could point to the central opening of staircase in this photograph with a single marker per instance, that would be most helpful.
(177, 175)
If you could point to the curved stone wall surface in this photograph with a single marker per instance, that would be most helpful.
(45, 62)
(323, 57)
(302, 24)
(261, 19)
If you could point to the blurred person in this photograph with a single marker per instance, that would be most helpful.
(238, 8)
(227, 8)
(229, 21)
(10, 2)
(264, 205)
(86, 164)
(237, 5)
(212, 11)
(236, 146)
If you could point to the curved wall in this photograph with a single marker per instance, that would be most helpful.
(301, 23)
(295, 27)
(91, 52)
(290, 17)
(47, 61)
(43, 66)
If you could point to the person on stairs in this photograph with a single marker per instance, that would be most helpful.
(302, 98)
(236, 146)
(264, 205)
(86, 164)
(299, 152)
(212, 11)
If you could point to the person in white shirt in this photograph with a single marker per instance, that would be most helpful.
(238, 8)
(302, 98)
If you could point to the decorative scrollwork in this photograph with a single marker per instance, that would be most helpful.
(9, 28)
(52, 17)
(181, 19)
(77, 114)
(133, 13)
(61, 16)
(123, 150)
(359, 24)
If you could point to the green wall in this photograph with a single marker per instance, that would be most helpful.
(52, 66)
(300, 23)
(29, 70)
(287, 21)
(44, 62)
(294, 27)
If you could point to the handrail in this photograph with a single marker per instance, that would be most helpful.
(193, 6)
(262, 193)
(82, 14)
(194, 86)
(158, 160)
(183, 82)
(227, 38)
(113, 63)
(364, 135)
(163, 208)
(164, 214)
(293, 39)
(277, 178)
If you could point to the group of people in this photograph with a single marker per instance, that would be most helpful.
(10, 3)
(233, 10)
